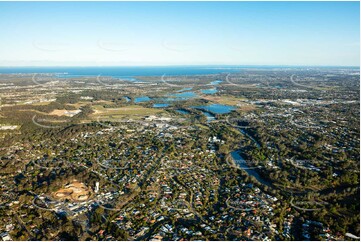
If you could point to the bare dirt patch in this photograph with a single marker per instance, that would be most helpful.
(75, 191)
(64, 112)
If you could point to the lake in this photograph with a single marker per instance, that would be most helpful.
(209, 91)
(141, 99)
(184, 95)
(216, 108)
(160, 105)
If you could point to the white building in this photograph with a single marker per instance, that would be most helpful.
(96, 187)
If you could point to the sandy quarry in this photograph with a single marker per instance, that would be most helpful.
(64, 112)
(75, 191)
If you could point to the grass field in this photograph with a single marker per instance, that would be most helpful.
(84, 103)
(233, 101)
(132, 111)
(226, 100)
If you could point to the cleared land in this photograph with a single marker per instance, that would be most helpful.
(64, 112)
(133, 111)
(75, 191)
(229, 100)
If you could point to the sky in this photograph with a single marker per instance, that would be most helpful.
(179, 33)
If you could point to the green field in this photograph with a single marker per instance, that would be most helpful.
(132, 111)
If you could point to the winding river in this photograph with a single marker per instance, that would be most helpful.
(241, 163)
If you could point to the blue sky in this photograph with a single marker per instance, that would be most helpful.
(176, 33)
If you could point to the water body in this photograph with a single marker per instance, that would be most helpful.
(126, 71)
(217, 82)
(160, 105)
(216, 108)
(249, 136)
(182, 111)
(241, 163)
(209, 91)
(209, 116)
(131, 71)
(127, 99)
(141, 99)
(184, 95)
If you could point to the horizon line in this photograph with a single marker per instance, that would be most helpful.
(182, 65)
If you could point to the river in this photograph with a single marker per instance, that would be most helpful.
(241, 163)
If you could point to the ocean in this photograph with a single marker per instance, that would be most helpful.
(130, 71)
